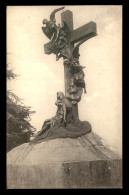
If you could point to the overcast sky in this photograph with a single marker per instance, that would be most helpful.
(41, 76)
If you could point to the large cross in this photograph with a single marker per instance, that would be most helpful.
(86, 32)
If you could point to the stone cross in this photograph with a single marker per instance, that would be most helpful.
(86, 32)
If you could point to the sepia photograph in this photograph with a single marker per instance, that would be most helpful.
(64, 97)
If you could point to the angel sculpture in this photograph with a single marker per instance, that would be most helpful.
(58, 35)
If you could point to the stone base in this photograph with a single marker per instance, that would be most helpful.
(83, 162)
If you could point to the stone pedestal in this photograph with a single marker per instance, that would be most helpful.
(82, 162)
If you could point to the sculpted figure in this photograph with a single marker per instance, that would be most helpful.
(64, 107)
(51, 26)
(74, 93)
(79, 80)
(75, 97)
(63, 104)
(58, 35)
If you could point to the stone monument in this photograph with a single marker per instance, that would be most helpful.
(65, 153)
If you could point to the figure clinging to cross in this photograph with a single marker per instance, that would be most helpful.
(62, 44)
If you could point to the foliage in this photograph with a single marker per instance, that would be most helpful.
(19, 130)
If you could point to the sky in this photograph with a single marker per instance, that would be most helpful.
(41, 76)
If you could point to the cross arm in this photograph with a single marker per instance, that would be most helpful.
(86, 31)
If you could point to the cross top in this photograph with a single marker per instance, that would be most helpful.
(85, 32)
(82, 34)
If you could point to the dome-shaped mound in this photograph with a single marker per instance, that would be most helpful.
(63, 163)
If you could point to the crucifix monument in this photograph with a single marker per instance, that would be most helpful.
(49, 160)
(80, 35)
(64, 43)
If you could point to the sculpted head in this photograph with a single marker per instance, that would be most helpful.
(45, 21)
(60, 95)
